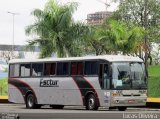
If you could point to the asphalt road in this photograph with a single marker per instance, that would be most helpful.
(75, 113)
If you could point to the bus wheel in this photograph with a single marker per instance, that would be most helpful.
(122, 108)
(30, 102)
(91, 103)
(57, 106)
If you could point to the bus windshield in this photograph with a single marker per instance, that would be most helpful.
(128, 76)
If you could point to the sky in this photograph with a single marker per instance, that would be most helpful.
(23, 18)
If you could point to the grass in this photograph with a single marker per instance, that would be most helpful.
(154, 81)
(154, 70)
(3, 87)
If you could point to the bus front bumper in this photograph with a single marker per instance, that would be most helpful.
(128, 101)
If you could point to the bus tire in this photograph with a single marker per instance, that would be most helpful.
(122, 108)
(31, 101)
(57, 106)
(91, 103)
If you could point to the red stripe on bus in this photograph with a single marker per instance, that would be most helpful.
(93, 89)
(79, 90)
(29, 87)
(19, 91)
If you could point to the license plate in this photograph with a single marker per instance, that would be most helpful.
(131, 101)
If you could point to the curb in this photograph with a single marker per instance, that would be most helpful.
(153, 105)
(153, 100)
(4, 99)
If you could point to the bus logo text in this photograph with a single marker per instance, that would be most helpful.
(48, 83)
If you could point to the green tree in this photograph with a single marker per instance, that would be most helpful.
(76, 43)
(113, 37)
(117, 37)
(53, 28)
(93, 41)
(133, 11)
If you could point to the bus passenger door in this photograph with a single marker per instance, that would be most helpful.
(104, 80)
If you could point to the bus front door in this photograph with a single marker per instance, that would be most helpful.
(104, 80)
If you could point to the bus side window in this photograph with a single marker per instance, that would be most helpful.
(37, 69)
(77, 68)
(63, 68)
(49, 69)
(66, 68)
(80, 68)
(59, 68)
(91, 68)
(25, 70)
(14, 70)
(73, 68)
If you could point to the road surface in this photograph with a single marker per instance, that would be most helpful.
(77, 113)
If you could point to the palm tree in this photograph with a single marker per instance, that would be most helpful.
(52, 28)
(92, 42)
(105, 39)
(118, 37)
(113, 37)
(75, 46)
(135, 42)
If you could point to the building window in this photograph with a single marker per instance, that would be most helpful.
(37, 69)
(91, 68)
(49, 69)
(25, 70)
(14, 70)
(63, 68)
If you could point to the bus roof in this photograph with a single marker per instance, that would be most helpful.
(110, 58)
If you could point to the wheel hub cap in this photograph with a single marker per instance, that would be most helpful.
(91, 103)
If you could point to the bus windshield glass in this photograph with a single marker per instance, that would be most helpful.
(128, 76)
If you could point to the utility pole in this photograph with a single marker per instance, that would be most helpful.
(145, 35)
(13, 15)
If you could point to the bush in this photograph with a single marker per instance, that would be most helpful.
(3, 87)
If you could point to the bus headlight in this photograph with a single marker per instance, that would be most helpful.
(143, 91)
(115, 94)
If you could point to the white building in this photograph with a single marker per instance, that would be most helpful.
(19, 51)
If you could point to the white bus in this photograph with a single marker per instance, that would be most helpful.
(107, 81)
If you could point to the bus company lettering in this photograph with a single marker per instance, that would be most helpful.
(48, 83)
